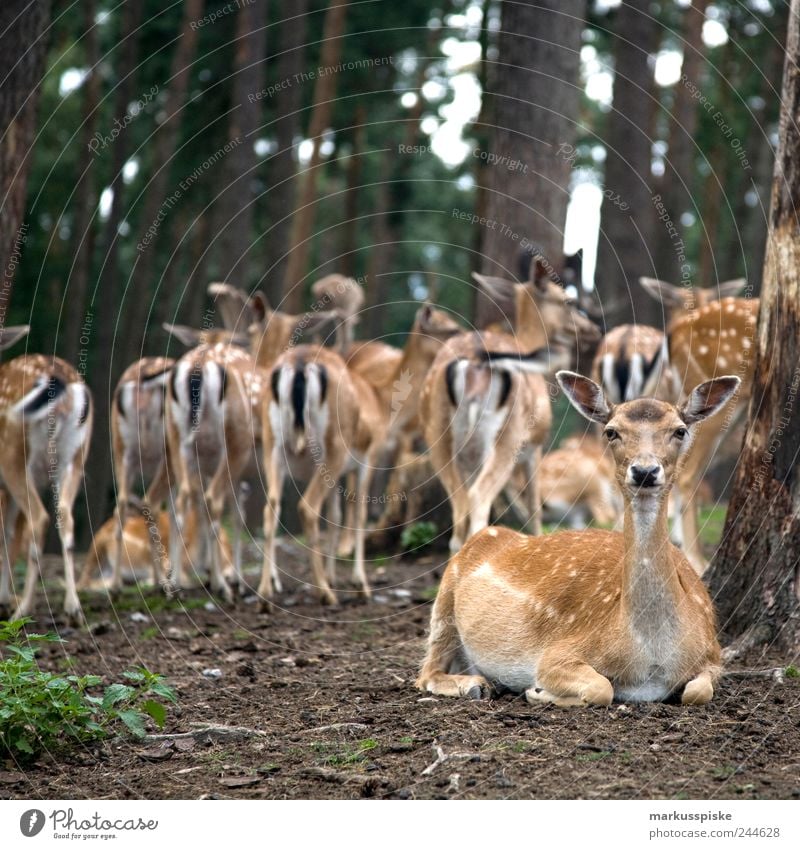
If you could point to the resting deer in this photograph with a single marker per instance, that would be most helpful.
(320, 421)
(45, 428)
(709, 334)
(584, 617)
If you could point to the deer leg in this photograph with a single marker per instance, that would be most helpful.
(347, 541)
(363, 479)
(270, 576)
(444, 654)
(532, 494)
(121, 513)
(37, 519)
(700, 690)
(451, 479)
(334, 519)
(8, 515)
(67, 490)
(309, 510)
(493, 476)
(155, 495)
(565, 681)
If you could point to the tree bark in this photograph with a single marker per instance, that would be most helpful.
(678, 184)
(754, 577)
(142, 292)
(23, 45)
(303, 220)
(534, 97)
(282, 166)
(235, 204)
(85, 198)
(104, 306)
(628, 214)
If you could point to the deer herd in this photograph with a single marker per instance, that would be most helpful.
(578, 617)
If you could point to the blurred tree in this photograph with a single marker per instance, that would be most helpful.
(23, 45)
(534, 98)
(628, 215)
(326, 77)
(755, 573)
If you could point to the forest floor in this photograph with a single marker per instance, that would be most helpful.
(329, 697)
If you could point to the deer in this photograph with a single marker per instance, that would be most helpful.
(138, 445)
(320, 421)
(486, 407)
(709, 333)
(141, 533)
(345, 296)
(45, 429)
(587, 617)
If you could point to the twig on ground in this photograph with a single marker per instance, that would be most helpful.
(208, 732)
(442, 758)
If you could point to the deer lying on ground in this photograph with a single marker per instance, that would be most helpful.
(320, 421)
(584, 617)
(709, 334)
(45, 428)
(485, 406)
(141, 534)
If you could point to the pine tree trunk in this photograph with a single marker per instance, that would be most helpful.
(140, 298)
(282, 167)
(678, 184)
(534, 97)
(235, 204)
(83, 231)
(23, 46)
(755, 576)
(628, 214)
(321, 111)
(105, 304)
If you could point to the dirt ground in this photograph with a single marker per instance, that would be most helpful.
(329, 698)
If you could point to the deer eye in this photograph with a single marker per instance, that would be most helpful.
(680, 433)
(611, 434)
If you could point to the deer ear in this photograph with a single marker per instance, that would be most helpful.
(259, 306)
(189, 336)
(231, 302)
(11, 335)
(709, 398)
(425, 322)
(496, 287)
(729, 288)
(540, 273)
(669, 295)
(585, 396)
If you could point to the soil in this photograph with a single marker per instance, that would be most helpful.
(329, 696)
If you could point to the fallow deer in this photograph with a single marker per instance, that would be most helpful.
(138, 444)
(320, 421)
(45, 428)
(346, 297)
(586, 617)
(709, 334)
(486, 407)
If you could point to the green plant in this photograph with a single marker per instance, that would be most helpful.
(418, 536)
(791, 671)
(42, 710)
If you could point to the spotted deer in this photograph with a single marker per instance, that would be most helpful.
(45, 428)
(320, 420)
(586, 617)
(485, 405)
(138, 445)
(709, 334)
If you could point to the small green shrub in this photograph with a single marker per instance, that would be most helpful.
(418, 536)
(791, 671)
(43, 711)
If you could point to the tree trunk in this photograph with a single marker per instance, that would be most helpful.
(235, 204)
(628, 215)
(83, 230)
(104, 307)
(142, 292)
(324, 94)
(282, 167)
(534, 97)
(23, 45)
(755, 576)
(678, 183)
(349, 245)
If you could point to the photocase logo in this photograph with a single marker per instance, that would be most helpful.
(31, 822)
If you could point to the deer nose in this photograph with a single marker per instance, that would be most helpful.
(645, 476)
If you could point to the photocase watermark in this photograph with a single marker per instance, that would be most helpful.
(83, 341)
(10, 271)
(100, 141)
(183, 187)
(569, 153)
(213, 17)
(314, 74)
(493, 224)
(499, 160)
(64, 824)
(414, 149)
(719, 119)
(676, 240)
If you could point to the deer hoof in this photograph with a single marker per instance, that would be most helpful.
(479, 691)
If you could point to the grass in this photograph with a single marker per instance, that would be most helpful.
(791, 671)
(338, 755)
(712, 522)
